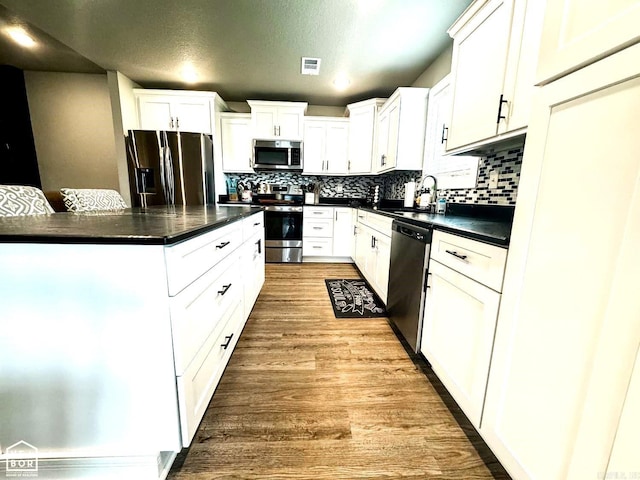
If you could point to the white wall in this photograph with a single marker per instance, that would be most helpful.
(125, 118)
(438, 69)
(73, 129)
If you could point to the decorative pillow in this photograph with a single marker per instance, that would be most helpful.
(18, 200)
(91, 199)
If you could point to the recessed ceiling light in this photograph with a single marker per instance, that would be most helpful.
(189, 74)
(341, 82)
(21, 37)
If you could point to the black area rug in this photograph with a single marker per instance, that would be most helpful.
(354, 299)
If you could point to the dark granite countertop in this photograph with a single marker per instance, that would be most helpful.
(150, 226)
(493, 231)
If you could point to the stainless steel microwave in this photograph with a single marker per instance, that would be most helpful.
(277, 155)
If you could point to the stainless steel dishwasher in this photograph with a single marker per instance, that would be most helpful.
(410, 247)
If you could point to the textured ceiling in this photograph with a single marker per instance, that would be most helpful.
(250, 48)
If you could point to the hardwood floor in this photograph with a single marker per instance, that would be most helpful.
(309, 396)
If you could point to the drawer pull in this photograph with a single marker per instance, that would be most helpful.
(256, 224)
(318, 213)
(228, 341)
(317, 246)
(317, 228)
(224, 290)
(456, 254)
(222, 245)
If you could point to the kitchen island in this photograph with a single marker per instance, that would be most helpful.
(116, 328)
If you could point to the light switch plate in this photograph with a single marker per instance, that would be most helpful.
(493, 179)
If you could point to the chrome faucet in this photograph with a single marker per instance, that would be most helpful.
(434, 190)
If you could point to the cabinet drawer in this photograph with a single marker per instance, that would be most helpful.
(317, 227)
(317, 212)
(477, 260)
(252, 225)
(197, 311)
(188, 260)
(380, 223)
(196, 386)
(317, 247)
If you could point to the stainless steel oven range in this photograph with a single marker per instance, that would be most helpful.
(283, 233)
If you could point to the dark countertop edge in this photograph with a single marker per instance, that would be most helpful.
(498, 241)
(166, 240)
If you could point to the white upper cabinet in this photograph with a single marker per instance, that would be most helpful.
(277, 120)
(176, 110)
(235, 130)
(363, 127)
(326, 141)
(401, 128)
(493, 71)
(579, 33)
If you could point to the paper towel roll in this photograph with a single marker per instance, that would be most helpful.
(409, 194)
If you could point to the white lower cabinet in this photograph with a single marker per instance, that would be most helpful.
(196, 386)
(457, 335)
(208, 315)
(327, 233)
(373, 250)
(461, 309)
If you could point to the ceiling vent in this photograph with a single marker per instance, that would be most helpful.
(310, 66)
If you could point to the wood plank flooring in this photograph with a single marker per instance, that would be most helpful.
(309, 396)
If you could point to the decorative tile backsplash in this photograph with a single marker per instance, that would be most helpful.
(507, 163)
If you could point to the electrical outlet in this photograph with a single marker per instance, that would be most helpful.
(339, 188)
(494, 176)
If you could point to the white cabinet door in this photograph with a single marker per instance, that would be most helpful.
(362, 126)
(380, 270)
(343, 241)
(393, 128)
(277, 120)
(314, 147)
(290, 123)
(336, 146)
(379, 163)
(265, 120)
(175, 112)
(478, 66)
(363, 246)
(155, 113)
(457, 335)
(568, 329)
(578, 33)
(236, 142)
(192, 115)
(524, 46)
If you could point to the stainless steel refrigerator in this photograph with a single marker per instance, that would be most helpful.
(170, 168)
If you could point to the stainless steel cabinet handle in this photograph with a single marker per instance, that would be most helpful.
(225, 289)
(177, 122)
(222, 245)
(317, 228)
(274, 130)
(170, 122)
(317, 246)
(228, 341)
(318, 213)
(456, 254)
(444, 129)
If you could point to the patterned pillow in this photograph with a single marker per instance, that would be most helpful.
(18, 200)
(91, 199)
